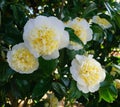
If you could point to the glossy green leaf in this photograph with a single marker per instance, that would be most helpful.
(14, 90)
(59, 88)
(73, 92)
(66, 81)
(114, 15)
(71, 53)
(10, 41)
(98, 37)
(2, 4)
(41, 88)
(5, 72)
(47, 66)
(18, 14)
(0, 18)
(90, 9)
(108, 92)
(116, 68)
(20, 88)
(96, 28)
(73, 37)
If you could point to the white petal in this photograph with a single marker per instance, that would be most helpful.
(94, 88)
(28, 26)
(75, 47)
(74, 73)
(84, 23)
(84, 89)
(103, 75)
(54, 55)
(64, 42)
(90, 32)
(57, 22)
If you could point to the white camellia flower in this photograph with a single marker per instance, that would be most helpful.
(87, 72)
(82, 30)
(21, 60)
(101, 22)
(44, 36)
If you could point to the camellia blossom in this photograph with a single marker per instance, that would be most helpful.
(44, 36)
(82, 29)
(87, 72)
(21, 60)
(101, 22)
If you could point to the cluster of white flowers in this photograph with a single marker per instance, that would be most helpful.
(45, 36)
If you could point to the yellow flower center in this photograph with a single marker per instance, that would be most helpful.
(23, 60)
(44, 42)
(89, 72)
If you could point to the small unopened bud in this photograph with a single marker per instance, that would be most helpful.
(117, 83)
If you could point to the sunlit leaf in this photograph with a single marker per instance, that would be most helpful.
(108, 91)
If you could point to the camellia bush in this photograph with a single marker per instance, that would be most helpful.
(56, 52)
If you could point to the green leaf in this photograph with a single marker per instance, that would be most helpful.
(9, 40)
(20, 88)
(116, 68)
(99, 37)
(19, 14)
(114, 14)
(0, 18)
(14, 90)
(23, 86)
(71, 53)
(73, 37)
(59, 88)
(96, 28)
(63, 58)
(41, 88)
(66, 81)
(117, 6)
(47, 66)
(98, 33)
(2, 4)
(90, 9)
(107, 92)
(5, 72)
(73, 92)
